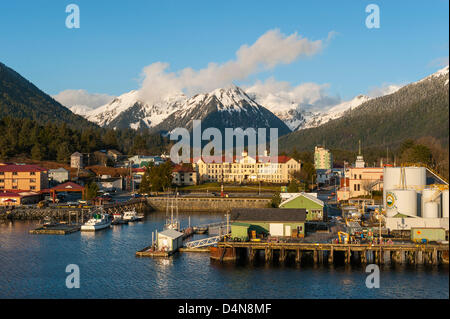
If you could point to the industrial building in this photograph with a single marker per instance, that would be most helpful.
(314, 207)
(410, 203)
(263, 222)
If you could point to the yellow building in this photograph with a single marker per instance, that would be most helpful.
(248, 169)
(23, 177)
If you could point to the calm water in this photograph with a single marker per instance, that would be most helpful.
(33, 266)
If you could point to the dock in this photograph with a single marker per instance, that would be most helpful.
(62, 229)
(406, 253)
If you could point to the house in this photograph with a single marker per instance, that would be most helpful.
(23, 177)
(267, 221)
(314, 207)
(184, 175)
(77, 160)
(18, 198)
(59, 175)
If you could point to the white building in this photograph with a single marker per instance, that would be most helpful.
(59, 175)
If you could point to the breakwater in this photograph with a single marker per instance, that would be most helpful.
(202, 204)
(70, 214)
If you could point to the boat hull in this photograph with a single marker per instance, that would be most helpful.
(95, 227)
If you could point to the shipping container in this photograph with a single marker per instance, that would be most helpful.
(421, 235)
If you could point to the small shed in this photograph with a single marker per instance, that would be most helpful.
(170, 240)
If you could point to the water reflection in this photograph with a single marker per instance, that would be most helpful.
(33, 266)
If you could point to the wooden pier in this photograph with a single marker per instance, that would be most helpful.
(408, 253)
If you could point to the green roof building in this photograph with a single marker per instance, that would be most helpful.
(314, 207)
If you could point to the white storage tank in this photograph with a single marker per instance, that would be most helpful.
(445, 204)
(430, 195)
(415, 178)
(430, 210)
(403, 201)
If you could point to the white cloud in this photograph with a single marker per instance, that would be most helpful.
(384, 89)
(271, 49)
(82, 99)
(282, 96)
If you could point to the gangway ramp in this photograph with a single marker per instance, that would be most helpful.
(209, 241)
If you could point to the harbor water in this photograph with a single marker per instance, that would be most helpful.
(34, 266)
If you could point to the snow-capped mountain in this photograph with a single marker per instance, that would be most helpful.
(319, 118)
(129, 111)
(225, 107)
(82, 110)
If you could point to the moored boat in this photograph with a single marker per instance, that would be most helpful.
(97, 222)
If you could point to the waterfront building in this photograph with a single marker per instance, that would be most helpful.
(183, 175)
(23, 177)
(323, 159)
(248, 169)
(246, 222)
(8, 198)
(59, 175)
(169, 240)
(314, 207)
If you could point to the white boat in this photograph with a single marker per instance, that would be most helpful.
(130, 216)
(118, 219)
(97, 222)
(172, 222)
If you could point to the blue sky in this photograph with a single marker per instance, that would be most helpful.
(117, 39)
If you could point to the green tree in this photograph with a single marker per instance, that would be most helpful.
(276, 200)
(91, 190)
(37, 152)
(63, 153)
(293, 186)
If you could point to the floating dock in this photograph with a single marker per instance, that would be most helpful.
(62, 229)
(150, 252)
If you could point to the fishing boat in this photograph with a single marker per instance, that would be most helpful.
(118, 219)
(131, 216)
(97, 222)
(172, 222)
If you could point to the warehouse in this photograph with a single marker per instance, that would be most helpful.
(263, 222)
